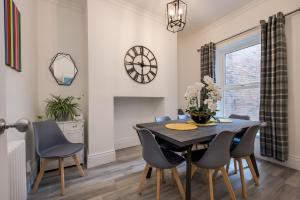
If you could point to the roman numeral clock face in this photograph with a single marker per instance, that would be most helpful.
(140, 64)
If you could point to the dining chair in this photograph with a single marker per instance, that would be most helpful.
(180, 111)
(160, 159)
(237, 138)
(183, 117)
(163, 143)
(51, 144)
(214, 159)
(162, 119)
(244, 150)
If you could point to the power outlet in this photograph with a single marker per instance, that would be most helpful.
(28, 166)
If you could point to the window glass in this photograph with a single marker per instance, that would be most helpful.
(239, 77)
(243, 66)
(242, 101)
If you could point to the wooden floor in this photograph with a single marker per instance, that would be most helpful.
(119, 181)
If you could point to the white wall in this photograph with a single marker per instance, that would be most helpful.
(113, 29)
(238, 21)
(129, 111)
(19, 90)
(22, 86)
(61, 28)
(4, 179)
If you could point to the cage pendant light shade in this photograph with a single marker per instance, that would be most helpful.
(176, 15)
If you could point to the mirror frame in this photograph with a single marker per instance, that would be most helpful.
(52, 70)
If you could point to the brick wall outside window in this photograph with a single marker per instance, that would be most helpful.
(242, 78)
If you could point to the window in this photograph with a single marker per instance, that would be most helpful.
(238, 75)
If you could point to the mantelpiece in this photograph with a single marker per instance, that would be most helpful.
(74, 132)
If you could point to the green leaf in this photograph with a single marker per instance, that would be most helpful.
(59, 108)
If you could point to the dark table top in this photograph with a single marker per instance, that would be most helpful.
(201, 134)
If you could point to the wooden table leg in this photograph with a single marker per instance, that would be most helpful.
(149, 173)
(253, 160)
(188, 173)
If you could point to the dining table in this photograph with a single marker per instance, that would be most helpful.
(189, 138)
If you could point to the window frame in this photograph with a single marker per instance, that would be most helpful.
(230, 47)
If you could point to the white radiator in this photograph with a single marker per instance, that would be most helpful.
(17, 170)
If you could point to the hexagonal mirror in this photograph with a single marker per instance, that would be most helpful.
(63, 69)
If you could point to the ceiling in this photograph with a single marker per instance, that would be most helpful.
(200, 12)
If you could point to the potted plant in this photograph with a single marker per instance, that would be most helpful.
(61, 109)
(202, 99)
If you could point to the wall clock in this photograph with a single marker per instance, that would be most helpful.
(140, 64)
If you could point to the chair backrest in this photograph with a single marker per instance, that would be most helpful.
(152, 153)
(162, 119)
(246, 145)
(244, 117)
(47, 134)
(218, 152)
(183, 117)
(180, 111)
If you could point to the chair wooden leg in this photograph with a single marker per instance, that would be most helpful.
(62, 176)
(158, 180)
(141, 186)
(228, 184)
(77, 162)
(40, 176)
(249, 162)
(235, 166)
(178, 183)
(172, 176)
(194, 169)
(211, 186)
(244, 189)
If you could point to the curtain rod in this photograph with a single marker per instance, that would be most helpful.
(250, 29)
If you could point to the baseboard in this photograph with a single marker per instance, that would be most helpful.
(126, 142)
(293, 161)
(98, 159)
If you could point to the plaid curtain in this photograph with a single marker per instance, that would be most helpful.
(274, 89)
(208, 60)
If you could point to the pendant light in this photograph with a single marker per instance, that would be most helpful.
(176, 15)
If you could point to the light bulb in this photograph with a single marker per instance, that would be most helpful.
(171, 12)
(180, 11)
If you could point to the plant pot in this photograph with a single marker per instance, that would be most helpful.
(200, 118)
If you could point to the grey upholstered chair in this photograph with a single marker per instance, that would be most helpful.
(162, 118)
(235, 116)
(244, 150)
(214, 160)
(51, 144)
(183, 117)
(163, 143)
(160, 159)
(237, 138)
(180, 111)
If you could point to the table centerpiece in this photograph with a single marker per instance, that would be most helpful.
(202, 99)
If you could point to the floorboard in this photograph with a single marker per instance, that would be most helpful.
(119, 181)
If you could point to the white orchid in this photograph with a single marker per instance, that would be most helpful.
(208, 80)
(199, 85)
(211, 96)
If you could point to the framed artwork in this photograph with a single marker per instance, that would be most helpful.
(12, 35)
